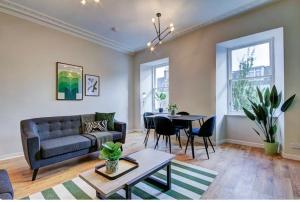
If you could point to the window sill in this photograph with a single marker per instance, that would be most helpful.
(236, 115)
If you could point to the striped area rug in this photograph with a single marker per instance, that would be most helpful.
(188, 182)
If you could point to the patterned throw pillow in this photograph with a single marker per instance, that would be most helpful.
(95, 126)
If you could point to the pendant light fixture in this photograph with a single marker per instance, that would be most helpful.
(161, 34)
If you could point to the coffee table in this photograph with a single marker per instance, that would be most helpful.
(150, 161)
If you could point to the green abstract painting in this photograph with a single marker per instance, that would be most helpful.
(69, 82)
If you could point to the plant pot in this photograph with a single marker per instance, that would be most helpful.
(112, 166)
(160, 110)
(172, 112)
(271, 148)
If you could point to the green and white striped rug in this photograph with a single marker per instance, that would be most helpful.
(188, 182)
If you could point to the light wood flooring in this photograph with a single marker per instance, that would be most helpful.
(244, 172)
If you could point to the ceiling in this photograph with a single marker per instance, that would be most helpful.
(131, 18)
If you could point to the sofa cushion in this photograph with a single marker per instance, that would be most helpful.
(95, 126)
(5, 185)
(62, 145)
(117, 136)
(55, 127)
(107, 116)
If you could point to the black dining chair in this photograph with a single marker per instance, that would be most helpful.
(148, 124)
(181, 124)
(205, 131)
(165, 127)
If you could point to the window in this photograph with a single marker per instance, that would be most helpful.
(160, 86)
(249, 67)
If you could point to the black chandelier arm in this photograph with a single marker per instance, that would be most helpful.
(162, 39)
(166, 35)
(156, 29)
(159, 36)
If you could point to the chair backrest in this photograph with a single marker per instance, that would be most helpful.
(148, 124)
(183, 113)
(181, 123)
(164, 126)
(207, 129)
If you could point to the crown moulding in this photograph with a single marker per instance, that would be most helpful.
(23, 12)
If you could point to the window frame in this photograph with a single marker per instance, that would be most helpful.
(154, 83)
(229, 69)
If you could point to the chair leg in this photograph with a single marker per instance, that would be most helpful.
(34, 174)
(185, 132)
(166, 140)
(206, 146)
(169, 143)
(148, 134)
(148, 131)
(211, 144)
(157, 141)
(179, 141)
(187, 144)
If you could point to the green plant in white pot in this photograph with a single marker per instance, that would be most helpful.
(172, 109)
(111, 152)
(160, 97)
(265, 115)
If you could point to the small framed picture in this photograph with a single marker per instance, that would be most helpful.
(69, 81)
(92, 85)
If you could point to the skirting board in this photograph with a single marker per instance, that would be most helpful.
(290, 156)
(241, 142)
(10, 156)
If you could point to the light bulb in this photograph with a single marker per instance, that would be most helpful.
(149, 44)
(152, 48)
(160, 42)
(172, 29)
(153, 20)
(83, 2)
(171, 25)
(97, 1)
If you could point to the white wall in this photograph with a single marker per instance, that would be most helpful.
(193, 62)
(28, 53)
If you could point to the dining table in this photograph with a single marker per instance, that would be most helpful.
(189, 118)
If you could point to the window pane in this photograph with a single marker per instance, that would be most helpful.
(161, 85)
(254, 56)
(162, 77)
(243, 90)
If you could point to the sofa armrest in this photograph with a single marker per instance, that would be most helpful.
(31, 143)
(6, 189)
(121, 127)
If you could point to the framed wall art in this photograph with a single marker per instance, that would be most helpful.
(92, 85)
(69, 82)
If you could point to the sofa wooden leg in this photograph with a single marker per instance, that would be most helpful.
(34, 174)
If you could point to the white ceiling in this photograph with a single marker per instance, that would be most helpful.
(132, 18)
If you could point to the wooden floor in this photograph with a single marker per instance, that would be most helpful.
(244, 172)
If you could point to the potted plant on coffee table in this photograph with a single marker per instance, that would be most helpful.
(265, 114)
(111, 152)
(160, 97)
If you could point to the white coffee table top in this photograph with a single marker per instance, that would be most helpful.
(148, 159)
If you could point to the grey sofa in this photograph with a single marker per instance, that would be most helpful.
(6, 190)
(54, 139)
